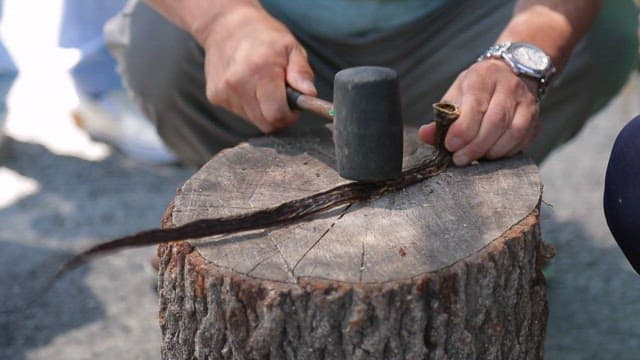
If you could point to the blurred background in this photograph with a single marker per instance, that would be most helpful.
(62, 191)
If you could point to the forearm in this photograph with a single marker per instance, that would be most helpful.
(197, 16)
(553, 25)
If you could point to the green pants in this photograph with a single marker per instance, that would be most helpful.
(162, 66)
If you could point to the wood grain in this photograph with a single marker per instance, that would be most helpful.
(449, 268)
(424, 228)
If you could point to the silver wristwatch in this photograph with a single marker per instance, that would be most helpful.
(524, 59)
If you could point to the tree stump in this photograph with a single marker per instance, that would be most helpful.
(449, 268)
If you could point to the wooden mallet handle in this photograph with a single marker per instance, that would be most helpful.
(300, 101)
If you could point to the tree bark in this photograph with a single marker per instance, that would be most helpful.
(446, 269)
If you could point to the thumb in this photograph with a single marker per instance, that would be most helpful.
(427, 133)
(299, 73)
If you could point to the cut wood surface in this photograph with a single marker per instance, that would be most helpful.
(423, 228)
(449, 268)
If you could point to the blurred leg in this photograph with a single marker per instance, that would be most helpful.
(8, 74)
(622, 192)
(170, 89)
(105, 110)
(81, 28)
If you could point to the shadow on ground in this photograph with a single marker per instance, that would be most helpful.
(103, 310)
(68, 305)
(77, 198)
(593, 296)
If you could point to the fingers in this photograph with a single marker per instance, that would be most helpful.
(299, 74)
(427, 133)
(518, 136)
(248, 69)
(270, 93)
(493, 124)
(473, 96)
(499, 114)
(273, 112)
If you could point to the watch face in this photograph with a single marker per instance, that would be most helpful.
(530, 56)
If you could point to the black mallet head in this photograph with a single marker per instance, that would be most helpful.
(368, 123)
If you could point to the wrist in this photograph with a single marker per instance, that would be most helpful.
(533, 86)
(555, 26)
(527, 61)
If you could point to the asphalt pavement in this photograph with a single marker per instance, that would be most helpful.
(593, 292)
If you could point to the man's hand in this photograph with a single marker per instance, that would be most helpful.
(249, 58)
(498, 113)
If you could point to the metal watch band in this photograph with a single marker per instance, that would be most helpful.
(494, 51)
(498, 51)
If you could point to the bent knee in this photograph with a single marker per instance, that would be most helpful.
(622, 194)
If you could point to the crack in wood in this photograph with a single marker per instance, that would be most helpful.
(262, 261)
(367, 227)
(284, 259)
(361, 262)
(321, 236)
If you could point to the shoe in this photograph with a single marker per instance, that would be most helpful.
(116, 120)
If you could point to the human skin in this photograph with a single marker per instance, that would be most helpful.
(499, 112)
(255, 56)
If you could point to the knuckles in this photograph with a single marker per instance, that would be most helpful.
(498, 117)
(519, 132)
(242, 76)
(279, 118)
(492, 95)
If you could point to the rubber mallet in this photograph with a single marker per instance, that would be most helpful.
(367, 118)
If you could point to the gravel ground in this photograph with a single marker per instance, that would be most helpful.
(107, 310)
(55, 204)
